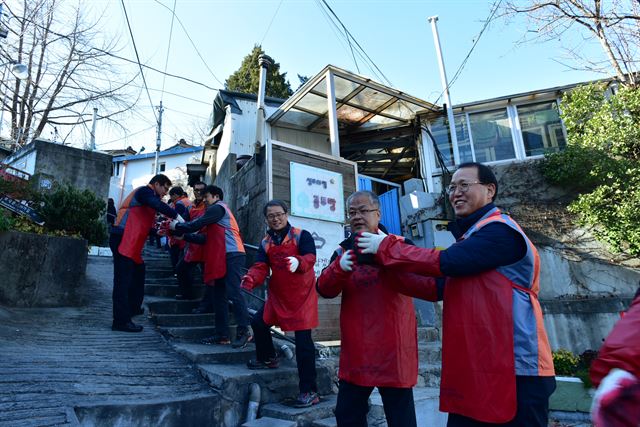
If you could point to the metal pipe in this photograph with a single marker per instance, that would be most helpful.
(445, 89)
(158, 138)
(254, 402)
(265, 62)
(92, 144)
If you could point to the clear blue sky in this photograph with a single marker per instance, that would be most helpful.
(394, 33)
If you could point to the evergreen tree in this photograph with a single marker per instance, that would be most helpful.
(247, 78)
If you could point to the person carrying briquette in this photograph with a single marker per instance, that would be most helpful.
(224, 261)
(193, 253)
(497, 367)
(292, 303)
(378, 330)
(136, 217)
(181, 204)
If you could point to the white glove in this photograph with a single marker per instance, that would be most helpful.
(172, 224)
(369, 242)
(293, 263)
(346, 261)
(179, 218)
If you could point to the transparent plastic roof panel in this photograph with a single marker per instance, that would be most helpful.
(361, 103)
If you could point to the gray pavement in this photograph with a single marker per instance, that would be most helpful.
(52, 360)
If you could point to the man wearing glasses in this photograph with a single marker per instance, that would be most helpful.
(377, 325)
(292, 304)
(497, 367)
(136, 217)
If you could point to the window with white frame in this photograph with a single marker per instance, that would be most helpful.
(491, 132)
(542, 130)
(442, 135)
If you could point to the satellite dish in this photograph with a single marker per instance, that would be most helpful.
(20, 71)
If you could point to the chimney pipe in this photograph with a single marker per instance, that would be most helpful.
(265, 62)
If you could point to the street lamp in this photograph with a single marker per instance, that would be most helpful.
(21, 72)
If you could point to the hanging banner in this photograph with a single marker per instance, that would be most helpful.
(316, 193)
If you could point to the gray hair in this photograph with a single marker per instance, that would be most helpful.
(373, 198)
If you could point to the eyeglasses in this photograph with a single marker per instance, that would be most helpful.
(463, 187)
(362, 212)
(278, 215)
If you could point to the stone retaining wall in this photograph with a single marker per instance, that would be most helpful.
(41, 271)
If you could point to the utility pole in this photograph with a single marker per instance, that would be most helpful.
(445, 89)
(159, 137)
(92, 145)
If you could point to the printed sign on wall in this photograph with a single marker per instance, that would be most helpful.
(316, 193)
(326, 236)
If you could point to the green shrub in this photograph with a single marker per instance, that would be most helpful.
(75, 212)
(6, 220)
(565, 362)
(601, 163)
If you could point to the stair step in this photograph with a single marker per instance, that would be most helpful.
(429, 375)
(325, 422)
(430, 352)
(162, 280)
(188, 332)
(232, 380)
(202, 353)
(170, 306)
(161, 290)
(427, 402)
(303, 416)
(427, 334)
(207, 319)
(269, 422)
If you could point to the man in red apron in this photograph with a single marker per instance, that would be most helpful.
(224, 261)
(193, 253)
(378, 332)
(497, 367)
(289, 253)
(136, 217)
(181, 204)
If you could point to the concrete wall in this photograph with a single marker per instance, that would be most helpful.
(82, 169)
(56, 280)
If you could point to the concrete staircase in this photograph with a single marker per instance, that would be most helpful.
(225, 369)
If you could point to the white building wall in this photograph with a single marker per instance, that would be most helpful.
(26, 163)
(239, 134)
(312, 141)
(138, 172)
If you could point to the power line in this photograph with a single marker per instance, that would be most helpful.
(135, 48)
(272, 19)
(475, 43)
(166, 62)
(356, 42)
(192, 43)
(127, 136)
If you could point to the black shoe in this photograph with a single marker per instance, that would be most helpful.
(217, 339)
(243, 337)
(127, 327)
(272, 363)
(137, 312)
